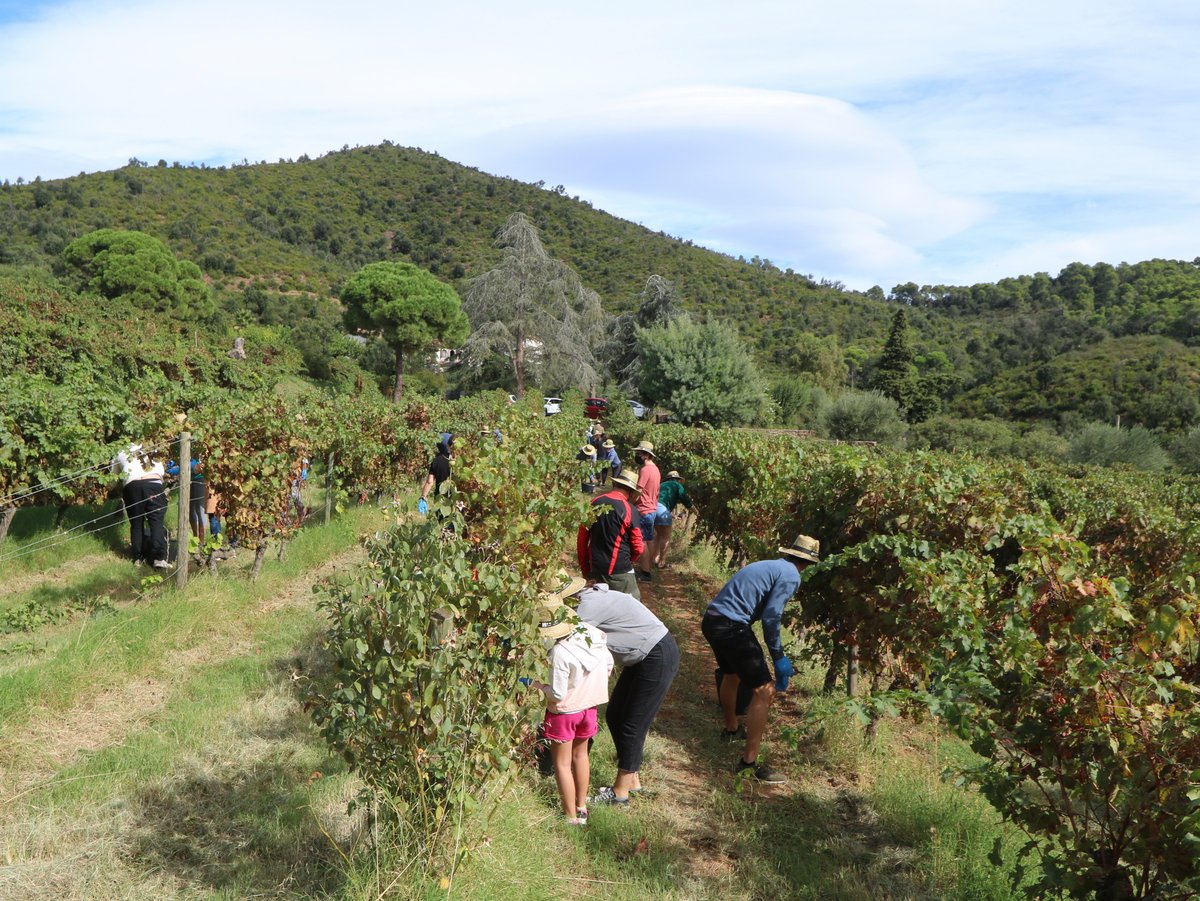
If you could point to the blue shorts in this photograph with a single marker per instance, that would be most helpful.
(662, 516)
(647, 527)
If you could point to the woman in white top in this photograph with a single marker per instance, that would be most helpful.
(145, 504)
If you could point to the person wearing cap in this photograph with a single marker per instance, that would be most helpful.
(580, 665)
(670, 495)
(755, 593)
(439, 471)
(649, 659)
(608, 548)
(647, 503)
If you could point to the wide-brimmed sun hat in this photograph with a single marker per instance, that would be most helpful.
(628, 479)
(565, 585)
(589, 450)
(674, 474)
(609, 444)
(645, 447)
(804, 548)
(555, 619)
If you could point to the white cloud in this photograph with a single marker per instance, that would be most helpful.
(858, 141)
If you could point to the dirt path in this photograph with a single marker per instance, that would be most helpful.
(817, 835)
(32, 754)
(699, 764)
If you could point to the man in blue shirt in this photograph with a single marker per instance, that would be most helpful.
(755, 593)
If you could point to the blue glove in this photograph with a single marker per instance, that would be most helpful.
(422, 507)
(525, 680)
(783, 673)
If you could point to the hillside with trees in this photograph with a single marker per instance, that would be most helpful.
(277, 242)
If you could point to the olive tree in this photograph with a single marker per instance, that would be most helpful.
(408, 307)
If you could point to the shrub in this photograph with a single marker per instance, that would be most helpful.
(1106, 445)
(863, 416)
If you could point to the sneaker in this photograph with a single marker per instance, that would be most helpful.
(576, 821)
(732, 735)
(161, 564)
(606, 795)
(760, 772)
(643, 576)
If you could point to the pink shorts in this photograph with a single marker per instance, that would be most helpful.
(570, 726)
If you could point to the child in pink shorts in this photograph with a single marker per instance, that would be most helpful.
(580, 664)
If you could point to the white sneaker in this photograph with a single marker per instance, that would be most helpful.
(161, 564)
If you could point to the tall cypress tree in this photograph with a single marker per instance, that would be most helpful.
(896, 374)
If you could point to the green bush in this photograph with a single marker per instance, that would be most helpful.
(981, 436)
(1106, 445)
(1185, 452)
(862, 416)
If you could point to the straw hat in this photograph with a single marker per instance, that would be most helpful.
(609, 444)
(566, 586)
(628, 479)
(674, 474)
(804, 548)
(555, 619)
(645, 447)
(589, 450)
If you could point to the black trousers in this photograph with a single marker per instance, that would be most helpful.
(146, 506)
(636, 698)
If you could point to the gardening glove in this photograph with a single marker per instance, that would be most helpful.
(783, 673)
(422, 506)
(525, 680)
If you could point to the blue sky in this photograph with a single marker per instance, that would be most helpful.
(862, 142)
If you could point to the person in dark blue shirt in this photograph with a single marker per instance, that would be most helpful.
(755, 593)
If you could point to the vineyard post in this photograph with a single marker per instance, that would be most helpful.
(183, 523)
(328, 487)
(852, 670)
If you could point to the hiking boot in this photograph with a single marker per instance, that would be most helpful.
(732, 735)
(760, 772)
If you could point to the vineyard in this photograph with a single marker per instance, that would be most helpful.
(1045, 616)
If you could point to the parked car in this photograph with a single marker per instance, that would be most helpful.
(552, 405)
(595, 407)
(639, 409)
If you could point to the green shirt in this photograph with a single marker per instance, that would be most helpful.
(671, 493)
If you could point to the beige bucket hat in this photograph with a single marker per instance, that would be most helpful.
(804, 548)
(628, 478)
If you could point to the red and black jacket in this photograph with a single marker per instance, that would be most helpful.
(614, 540)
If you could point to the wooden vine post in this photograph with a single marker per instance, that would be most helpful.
(328, 487)
(185, 501)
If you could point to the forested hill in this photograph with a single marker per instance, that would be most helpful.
(277, 239)
(303, 226)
